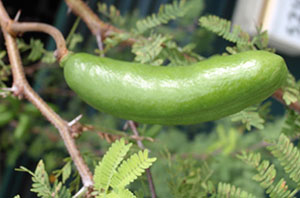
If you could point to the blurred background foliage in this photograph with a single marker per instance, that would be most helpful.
(187, 156)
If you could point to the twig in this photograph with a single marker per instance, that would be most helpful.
(278, 95)
(93, 22)
(14, 28)
(22, 88)
(90, 18)
(132, 126)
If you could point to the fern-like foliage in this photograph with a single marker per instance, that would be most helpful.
(165, 14)
(115, 39)
(179, 55)
(291, 90)
(105, 171)
(111, 12)
(235, 34)
(253, 116)
(111, 180)
(288, 155)
(222, 27)
(36, 51)
(147, 50)
(292, 124)
(228, 190)
(41, 184)
(131, 169)
(157, 49)
(250, 117)
(123, 193)
(40, 180)
(266, 176)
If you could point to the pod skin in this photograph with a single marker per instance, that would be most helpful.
(204, 91)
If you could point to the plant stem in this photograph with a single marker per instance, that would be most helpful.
(148, 171)
(90, 18)
(21, 87)
(98, 28)
(15, 28)
(278, 95)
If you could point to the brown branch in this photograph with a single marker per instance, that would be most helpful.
(21, 87)
(93, 22)
(132, 126)
(278, 95)
(16, 28)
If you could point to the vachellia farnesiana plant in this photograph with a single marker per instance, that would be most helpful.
(113, 174)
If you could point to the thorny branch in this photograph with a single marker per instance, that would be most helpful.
(21, 88)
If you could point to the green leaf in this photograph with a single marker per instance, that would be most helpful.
(266, 174)
(66, 171)
(130, 169)
(291, 91)
(40, 180)
(106, 169)
(147, 50)
(230, 191)
(165, 14)
(112, 13)
(250, 117)
(115, 39)
(222, 27)
(122, 193)
(288, 155)
(37, 48)
(22, 46)
(74, 40)
(291, 125)
(48, 57)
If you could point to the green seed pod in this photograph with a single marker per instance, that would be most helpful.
(204, 91)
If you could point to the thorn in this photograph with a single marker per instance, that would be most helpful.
(9, 89)
(17, 16)
(55, 53)
(80, 192)
(99, 42)
(75, 120)
(12, 89)
(69, 11)
(126, 125)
